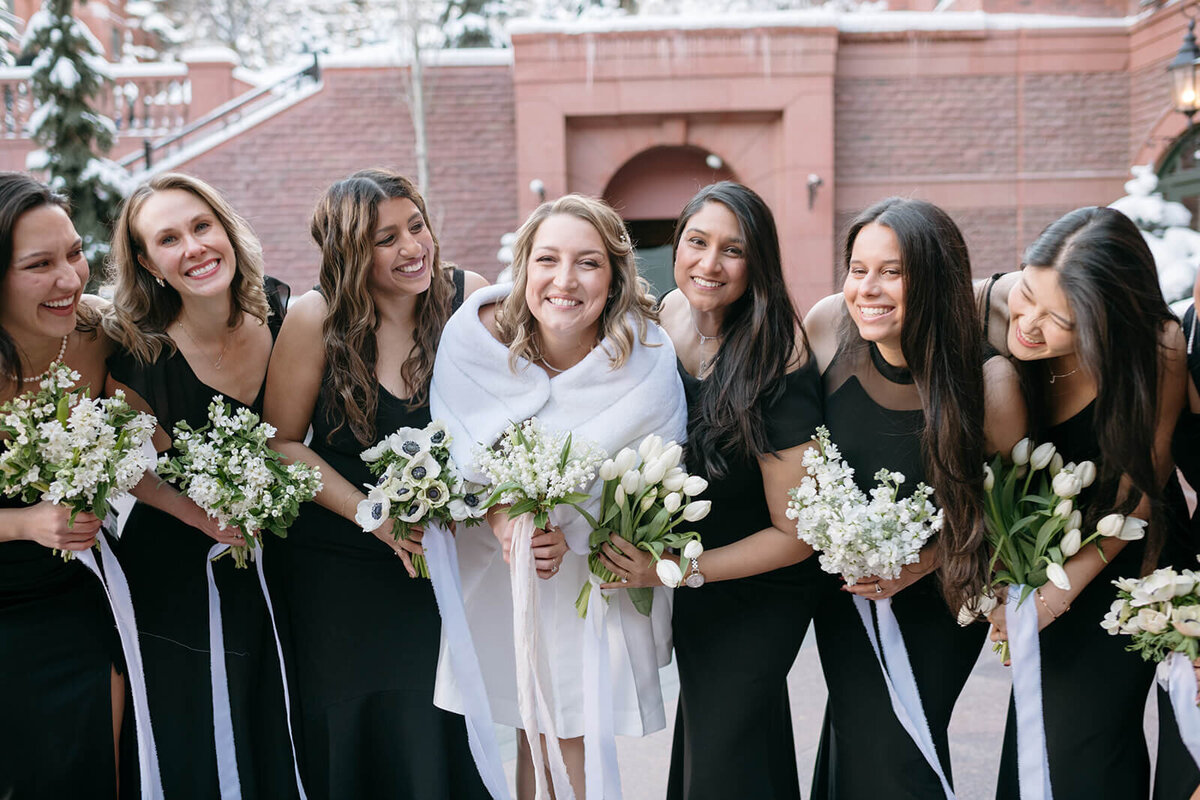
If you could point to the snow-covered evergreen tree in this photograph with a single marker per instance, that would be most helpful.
(69, 70)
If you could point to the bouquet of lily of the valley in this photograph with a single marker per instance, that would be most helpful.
(1160, 611)
(67, 448)
(855, 535)
(534, 470)
(643, 503)
(418, 482)
(227, 468)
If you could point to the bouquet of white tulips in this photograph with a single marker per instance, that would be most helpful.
(227, 468)
(64, 447)
(1160, 611)
(418, 482)
(646, 495)
(855, 536)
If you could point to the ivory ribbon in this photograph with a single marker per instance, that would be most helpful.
(442, 560)
(900, 681)
(1179, 679)
(1024, 646)
(116, 589)
(601, 773)
(287, 699)
(227, 768)
(537, 716)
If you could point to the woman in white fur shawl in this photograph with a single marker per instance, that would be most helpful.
(573, 341)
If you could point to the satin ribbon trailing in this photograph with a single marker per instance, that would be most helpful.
(117, 590)
(536, 714)
(442, 560)
(601, 773)
(287, 698)
(900, 681)
(1024, 647)
(227, 768)
(1178, 678)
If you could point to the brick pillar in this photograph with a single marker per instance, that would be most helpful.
(210, 70)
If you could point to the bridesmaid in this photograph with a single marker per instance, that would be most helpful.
(61, 697)
(194, 317)
(907, 388)
(1104, 365)
(754, 402)
(354, 360)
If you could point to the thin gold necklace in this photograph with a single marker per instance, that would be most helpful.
(220, 356)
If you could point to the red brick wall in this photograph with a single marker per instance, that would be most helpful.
(1075, 121)
(1072, 8)
(275, 172)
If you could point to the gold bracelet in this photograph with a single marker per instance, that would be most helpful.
(1047, 605)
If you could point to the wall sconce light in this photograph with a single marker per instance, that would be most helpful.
(1183, 71)
(538, 188)
(814, 183)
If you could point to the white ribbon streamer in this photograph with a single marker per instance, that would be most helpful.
(601, 773)
(287, 699)
(227, 768)
(902, 685)
(1024, 647)
(442, 560)
(1179, 679)
(116, 589)
(536, 713)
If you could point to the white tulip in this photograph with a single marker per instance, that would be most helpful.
(626, 459)
(1056, 464)
(1058, 576)
(648, 501)
(1075, 520)
(694, 485)
(608, 470)
(1086, 472)
(672, 502)
(668, 572)
(619, 495)
(1132, 530)
(696, 510)
(1066, 484)
(1041, 455)
(650, 447)
(693, 549)
(672, 455)
(1063, 509)
(674, 479)
(1111, 525)
(989, 478)
(1020, 452)
(654, 471)
(630, 481)
(1071, 542)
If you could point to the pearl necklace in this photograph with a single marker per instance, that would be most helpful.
(62, 351)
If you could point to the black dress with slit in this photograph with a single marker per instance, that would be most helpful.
(164, 561)
(58, 647)
(873, 413)
(362, 645)
(736, 640)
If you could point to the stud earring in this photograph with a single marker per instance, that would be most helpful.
(159, 281)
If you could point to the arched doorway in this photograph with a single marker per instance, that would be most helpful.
(649, 190)
(1179, 173)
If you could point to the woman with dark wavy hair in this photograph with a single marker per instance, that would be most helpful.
(907, 389)
(354, 359)
(61, 696)
(1103, 363)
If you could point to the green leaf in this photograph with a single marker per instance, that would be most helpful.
(642, 598)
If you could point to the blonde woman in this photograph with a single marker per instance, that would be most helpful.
(573, 341)
(354, 361)
(194, 317)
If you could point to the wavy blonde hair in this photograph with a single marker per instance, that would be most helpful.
(343, 226)
(141, 309)
(628, 294)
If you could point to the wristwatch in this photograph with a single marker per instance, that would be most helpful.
(695, 578)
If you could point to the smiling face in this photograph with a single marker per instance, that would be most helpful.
(874, 286)
(45, 280)
(710, 259)
(568, 278)
(404, 249)
(185, 244)
(1041, 324)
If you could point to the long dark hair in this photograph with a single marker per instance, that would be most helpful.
(343, 226)
(1107, 273)
(759, 343)
(20, 193)
(942, 343)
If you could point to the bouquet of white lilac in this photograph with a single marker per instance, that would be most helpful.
(69, 449)
(534, 470)
(418, 482)
(227, 468)
(857, 537)
(643, 503)
(1160, 611)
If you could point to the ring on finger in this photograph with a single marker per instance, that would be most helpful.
(878, 589)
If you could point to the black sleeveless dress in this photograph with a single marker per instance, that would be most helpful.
(58, 645)
(164, 562)
(874, 416)
(735, 641)
(362, 646)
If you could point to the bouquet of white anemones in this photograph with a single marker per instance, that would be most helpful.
(69, 449)
(1160, 611)
(534, 470)
(227, 468)
(419, 481)
(643, 503)
(855, 536)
